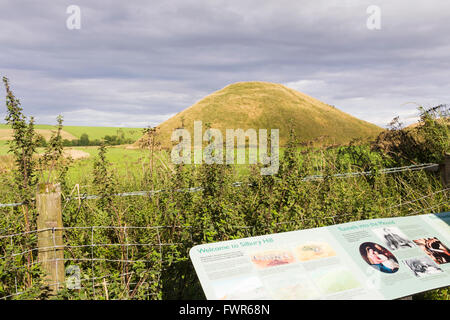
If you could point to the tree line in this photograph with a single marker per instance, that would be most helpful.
(85, 141)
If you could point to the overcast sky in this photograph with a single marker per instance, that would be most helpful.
(136, 63)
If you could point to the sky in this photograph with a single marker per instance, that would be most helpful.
(137, 63)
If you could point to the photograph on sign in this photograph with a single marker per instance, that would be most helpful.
(379, 257)
(422, 266)
(311, 251)
(435, 249)
(393, 238)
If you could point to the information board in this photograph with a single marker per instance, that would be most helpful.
(370, 259)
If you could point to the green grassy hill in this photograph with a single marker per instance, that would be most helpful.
(100, 132)
(75, 132)
(44, 130)
(263, 105)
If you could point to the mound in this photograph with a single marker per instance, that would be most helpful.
(263, 105)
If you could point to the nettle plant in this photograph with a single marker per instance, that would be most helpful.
(23, 149)
(103, 179)
(52, 165)
(426, 142)
(29, 170)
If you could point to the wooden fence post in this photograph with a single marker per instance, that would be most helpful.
(445, 170)
(50, 242)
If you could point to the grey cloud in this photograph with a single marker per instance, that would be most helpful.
(146, 60)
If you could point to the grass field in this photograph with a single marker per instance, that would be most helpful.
(126, 163)
(123, 160)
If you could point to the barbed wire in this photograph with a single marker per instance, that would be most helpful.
(239, 184)
(4, 205)
(368, 173)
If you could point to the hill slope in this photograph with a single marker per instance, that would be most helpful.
(75, 132)
(263, 105)
(45, 130)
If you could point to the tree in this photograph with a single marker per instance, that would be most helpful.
(84, 140)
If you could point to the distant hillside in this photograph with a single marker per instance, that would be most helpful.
(100, 132)
(75, 132)
(44, 130)
(263, 105)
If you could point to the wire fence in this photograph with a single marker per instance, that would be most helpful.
(139, 253)
(89, 256)
(424, 166)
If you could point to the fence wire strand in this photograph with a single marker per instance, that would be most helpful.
(239, 184)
